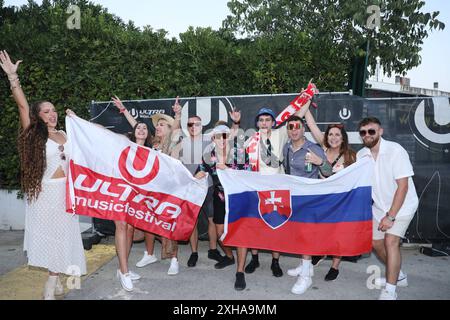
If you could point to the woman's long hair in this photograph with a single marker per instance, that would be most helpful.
(345, 150)
(148, 141)
(164, 143)
(32, 151)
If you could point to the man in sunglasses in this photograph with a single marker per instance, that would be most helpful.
(298, 152)
(394, 201)
(266, 156)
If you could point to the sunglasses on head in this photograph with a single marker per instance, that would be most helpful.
(371, 132)
(62, 155)
(223, 136)
(293, 126)
(337, 125)
(191, 124)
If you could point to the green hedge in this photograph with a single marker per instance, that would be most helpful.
(106, 56)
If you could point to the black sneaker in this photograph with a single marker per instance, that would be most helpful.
(276, 270)
(214, 254)
(316, 260)
(225, 262)
(332, 274)
(251, 267)
(240, 284)
(192, 259)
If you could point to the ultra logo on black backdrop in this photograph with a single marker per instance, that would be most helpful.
(420, 125)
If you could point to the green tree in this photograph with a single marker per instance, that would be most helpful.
(338, 27)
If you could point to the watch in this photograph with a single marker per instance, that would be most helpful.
(390, 217)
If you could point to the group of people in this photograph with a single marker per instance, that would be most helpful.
(284, 150)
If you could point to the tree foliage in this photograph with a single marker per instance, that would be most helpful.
(339, 27)
(287, 43)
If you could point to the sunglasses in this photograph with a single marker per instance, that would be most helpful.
(293, 126)
(62, 155)
(371, 132)
(223, 136)
(191, 124)
(337, 125)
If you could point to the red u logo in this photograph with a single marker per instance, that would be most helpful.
(135, 168)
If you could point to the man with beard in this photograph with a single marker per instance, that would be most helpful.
(394, 201)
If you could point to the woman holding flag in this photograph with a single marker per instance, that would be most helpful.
(52, 236)
(224, 154)
(164, 126)
(124, 232)
(336, 146)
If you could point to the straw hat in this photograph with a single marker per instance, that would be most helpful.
(155, 118)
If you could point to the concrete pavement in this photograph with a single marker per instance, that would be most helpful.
(428, 277)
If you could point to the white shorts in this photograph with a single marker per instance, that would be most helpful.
(399, 228)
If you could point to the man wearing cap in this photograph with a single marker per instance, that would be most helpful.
(265, 151)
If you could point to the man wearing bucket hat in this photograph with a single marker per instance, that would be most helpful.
(265, 150)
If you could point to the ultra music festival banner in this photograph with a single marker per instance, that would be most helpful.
(112, 178)
(298, 215)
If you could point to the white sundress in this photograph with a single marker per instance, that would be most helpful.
(52, 236)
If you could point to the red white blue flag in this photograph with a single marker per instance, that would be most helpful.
(298, 215)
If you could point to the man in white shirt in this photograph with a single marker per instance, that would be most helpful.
(394, 201)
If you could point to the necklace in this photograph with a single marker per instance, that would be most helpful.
(53, 131)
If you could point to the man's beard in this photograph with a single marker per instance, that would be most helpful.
(371, 144)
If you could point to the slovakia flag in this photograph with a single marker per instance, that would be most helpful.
(298, 215)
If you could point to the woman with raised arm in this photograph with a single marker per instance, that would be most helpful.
(162, 141)
(52, 236)
(124, 231)
(335, 143)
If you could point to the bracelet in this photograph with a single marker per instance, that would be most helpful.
(15, 86)
(122, 110)
(17, 77)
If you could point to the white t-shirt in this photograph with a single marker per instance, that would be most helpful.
(392, 163)
(278, 138)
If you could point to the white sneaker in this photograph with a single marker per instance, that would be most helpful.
(302, 284)
(298, 271)
(386, 295)
(146, 260)
(134, 276)
(49, 288)
(59, 289)
(125, 280)
(174, 267)
(381, 282)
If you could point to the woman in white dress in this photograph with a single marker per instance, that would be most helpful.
(52, 236)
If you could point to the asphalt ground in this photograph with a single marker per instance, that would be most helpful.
(428, 277)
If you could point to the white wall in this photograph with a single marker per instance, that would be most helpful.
(12, 213)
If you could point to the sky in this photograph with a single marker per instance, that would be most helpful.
(175, 16)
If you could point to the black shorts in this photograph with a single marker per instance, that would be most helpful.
(207, 207)
(219, 210)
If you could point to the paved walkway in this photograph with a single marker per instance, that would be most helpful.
(429, 277)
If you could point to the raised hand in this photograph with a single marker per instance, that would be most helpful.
(118, 103)
(70, 113)
(177, 107)
(7, 65)
(235, 115)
